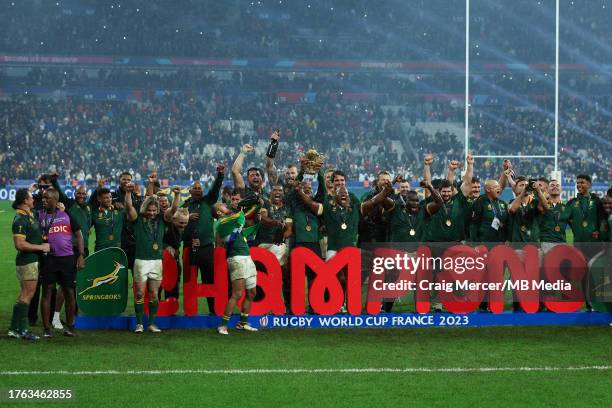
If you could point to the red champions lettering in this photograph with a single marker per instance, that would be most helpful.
(567, 264)
(374, 297)
(524, 266)
(423, 273)
(269, 281)
(346, 263)
(192, 290)
(170, 271)
(461, 266)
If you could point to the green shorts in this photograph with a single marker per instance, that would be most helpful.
(27, 272)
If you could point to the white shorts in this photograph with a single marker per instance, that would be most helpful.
(281, 252)
(323, 245)
(147, 269)
(243, 267)
(330, 254)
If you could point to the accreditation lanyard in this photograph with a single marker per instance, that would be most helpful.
(47, 224)
(152, 229)
(110, 223)
(584, 209)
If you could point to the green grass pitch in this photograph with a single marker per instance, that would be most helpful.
(288, 361)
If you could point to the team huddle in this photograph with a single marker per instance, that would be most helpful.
(51, 231)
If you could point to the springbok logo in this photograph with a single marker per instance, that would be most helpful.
(110, 278)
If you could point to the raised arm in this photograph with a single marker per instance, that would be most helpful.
(62, 196)
(270, 155)
(542, 200)
(437, 202)
(516, 204)
(427, 170)
(507, 176)
(381, 197)
(176, 191)
(320, 194)
(466, 185)
(237, 167)
(132, 214)
(213, 193)
(93, 199)
(453, 165)
(151, 186)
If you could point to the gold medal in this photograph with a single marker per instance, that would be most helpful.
(111, 237)
(308, 228)
(155, 246)
(557, 228)
(412, 232)
(585, 224)
(449, 223)
(343, 226)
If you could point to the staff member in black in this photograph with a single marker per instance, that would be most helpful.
(198, 236)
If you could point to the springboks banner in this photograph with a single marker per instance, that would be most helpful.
(102, 284)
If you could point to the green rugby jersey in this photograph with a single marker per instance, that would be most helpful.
(305, 224)
(525, 223)
(405, 225)
(448, 225)
(586, 215)
(83, 216)
(552, 227)
(27, 226)
(341, 223)
(108, 224)
(269, 234)
(149, 237)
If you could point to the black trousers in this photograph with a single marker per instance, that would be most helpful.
(203, 258)
(34, 303)
(174, 292)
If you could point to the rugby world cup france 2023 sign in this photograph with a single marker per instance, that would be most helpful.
(102, 284)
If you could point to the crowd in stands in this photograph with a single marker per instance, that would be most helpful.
(197, 117)
(502, 31)
(500, 84)
(88, 139)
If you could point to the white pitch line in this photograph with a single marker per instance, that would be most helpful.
(308, 371)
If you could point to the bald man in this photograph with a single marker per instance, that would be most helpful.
(489, 220)
(198, 235)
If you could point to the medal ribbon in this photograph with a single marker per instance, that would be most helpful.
(583, 210)
(152, 231)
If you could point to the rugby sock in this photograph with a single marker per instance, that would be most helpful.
(139, 309)
(225, 320)
(152, 312)
(22, 322)
(244, 318)
(56, 316)
(16, 318)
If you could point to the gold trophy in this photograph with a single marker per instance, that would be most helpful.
(311, 163)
